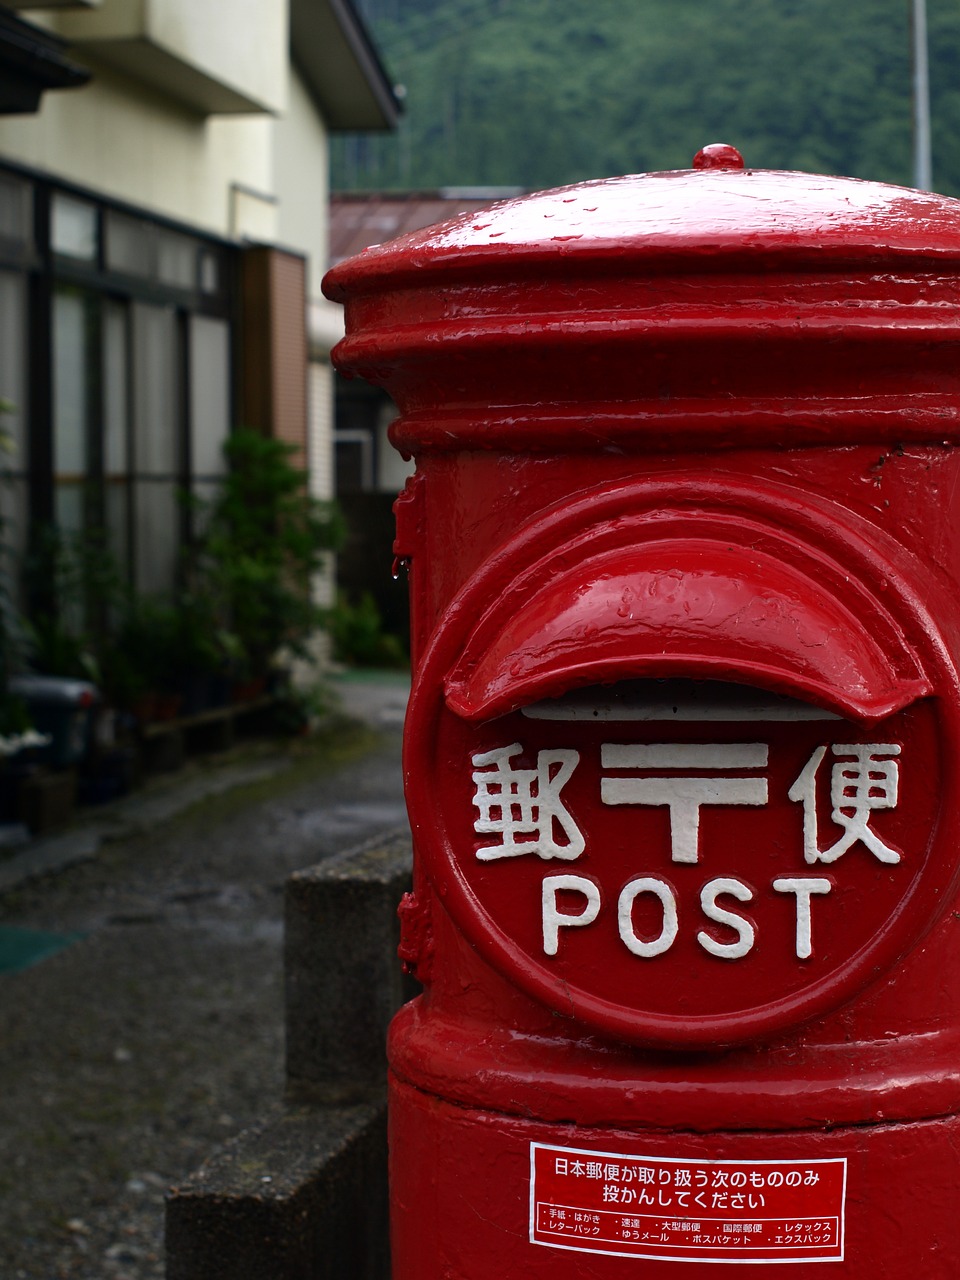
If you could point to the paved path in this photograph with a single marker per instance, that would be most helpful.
(128, 1055)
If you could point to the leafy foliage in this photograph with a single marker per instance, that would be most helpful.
(78, 593)
(538, 93)
(245, 593)
(264, 541)
(358, 635)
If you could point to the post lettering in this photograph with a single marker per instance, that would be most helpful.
(554, 919)
(668, 932)
(746, 934)
(804, 887)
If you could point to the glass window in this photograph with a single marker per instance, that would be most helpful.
(209, 394)
(16, 210)
(13, 364)
(71, 386)
(156, 384)
(13, 391)
(210, 272)
(204, 494)
(176, 259)
(73, 229)
(130, 245)
(116, 424)
(116, 360)
(73, 372)
(157, 519)
(141, 391)
(68, 508)
(157, 403)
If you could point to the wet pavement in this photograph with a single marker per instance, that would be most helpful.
(155, 1031)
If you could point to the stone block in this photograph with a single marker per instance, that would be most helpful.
(303, 1196)
(343, 979)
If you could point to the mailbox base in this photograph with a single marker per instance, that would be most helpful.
(478, 1195)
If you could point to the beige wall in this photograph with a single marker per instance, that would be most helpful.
(256, 177)
(262, 177)
(124, 140)
(240, 45)
(301, 160)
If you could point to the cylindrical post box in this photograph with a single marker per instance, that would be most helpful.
(681, 749)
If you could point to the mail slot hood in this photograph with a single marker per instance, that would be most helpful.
(696, 606)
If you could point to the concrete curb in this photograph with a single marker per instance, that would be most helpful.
(303, 1195)
(343, 980)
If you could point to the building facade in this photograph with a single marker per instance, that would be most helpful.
(163, 233)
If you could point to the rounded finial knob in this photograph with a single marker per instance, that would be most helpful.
(718, 155)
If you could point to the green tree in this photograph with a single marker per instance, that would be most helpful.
(538, 93)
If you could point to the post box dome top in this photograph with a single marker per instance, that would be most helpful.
(718, 207)
(718, 305)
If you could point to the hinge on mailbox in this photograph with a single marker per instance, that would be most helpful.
(416, 937)
(408, 511)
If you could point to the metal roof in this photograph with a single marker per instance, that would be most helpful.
(361, 219)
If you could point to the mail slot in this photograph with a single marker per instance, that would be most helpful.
(681, 751)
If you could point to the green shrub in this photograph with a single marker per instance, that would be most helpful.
(245, 589)
(358, 635)
(264, 541)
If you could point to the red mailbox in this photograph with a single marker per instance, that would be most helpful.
(682, 748)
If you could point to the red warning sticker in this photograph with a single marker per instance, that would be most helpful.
(687, 1210)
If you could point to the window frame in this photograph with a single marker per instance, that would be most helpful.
(46, 271)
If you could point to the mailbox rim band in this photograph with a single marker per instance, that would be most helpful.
(881, 567)
(705, 217)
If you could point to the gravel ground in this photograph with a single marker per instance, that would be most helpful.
(129, 1055)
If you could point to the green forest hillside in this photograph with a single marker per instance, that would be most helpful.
(536, 93)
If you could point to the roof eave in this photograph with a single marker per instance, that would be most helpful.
(333, 51)
(32, 61)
